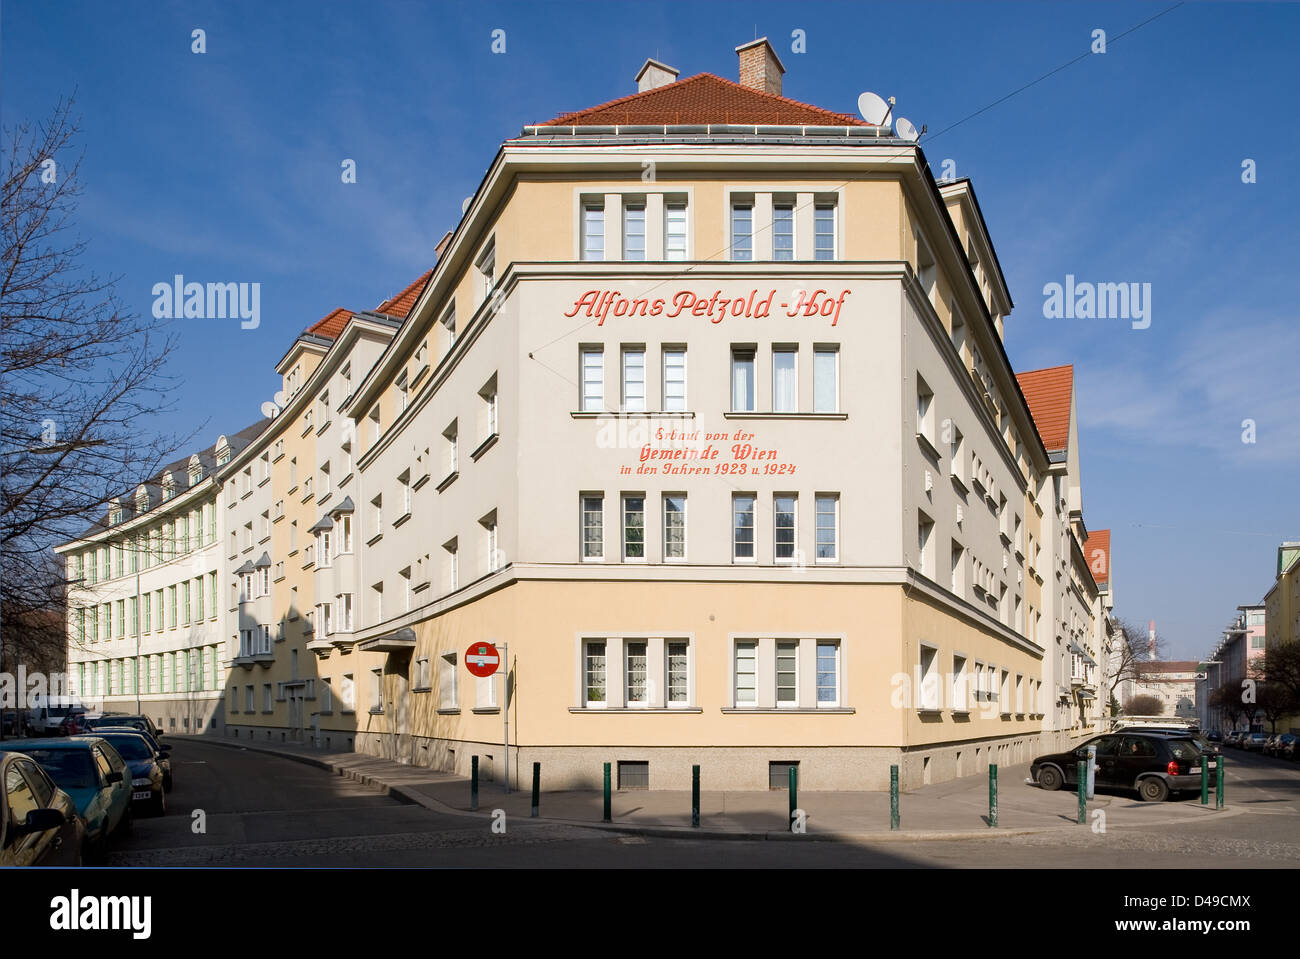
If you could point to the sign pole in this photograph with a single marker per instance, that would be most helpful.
(505, 706)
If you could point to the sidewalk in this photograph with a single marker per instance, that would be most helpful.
(953, 810)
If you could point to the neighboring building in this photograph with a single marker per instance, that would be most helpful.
(1282, 601)
(705, 412)
(1173, 682)
(1071, 598)
(145, 620)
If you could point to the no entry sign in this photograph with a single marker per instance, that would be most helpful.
(482, 659)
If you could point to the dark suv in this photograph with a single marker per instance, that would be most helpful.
(1153, 764)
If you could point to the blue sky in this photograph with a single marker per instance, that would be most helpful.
(1125, 167)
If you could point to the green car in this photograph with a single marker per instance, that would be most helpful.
(90, 771)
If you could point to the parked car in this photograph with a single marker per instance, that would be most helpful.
(1269, 743)
(1233, 739)
(1154, 765)
(1291, 747)
(90, 771)
(147, 790)
(1214, 736)
(48, 718)
(39, 824)
(143, 723)
(1181, 732)
(74, 724)
(1254, 742)
(1277, 745)
(14, 723)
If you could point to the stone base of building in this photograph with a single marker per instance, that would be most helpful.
(721, 767)
(181, 716)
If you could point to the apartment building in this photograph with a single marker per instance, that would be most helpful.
(1282, 602)
(704, 413)
(145, 630)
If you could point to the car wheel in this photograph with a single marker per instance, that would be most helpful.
(1153, 789)
(1049, 778)
(160, 804)
(167, 784)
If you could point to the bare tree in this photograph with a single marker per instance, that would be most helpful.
(81, 379)
(1275, 701)
(1280, 664)
(1135, 645)
(1227, 699)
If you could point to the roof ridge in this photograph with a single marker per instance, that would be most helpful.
(565, 118)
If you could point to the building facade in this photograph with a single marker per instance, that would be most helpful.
(704, 417)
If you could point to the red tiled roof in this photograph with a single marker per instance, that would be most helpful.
(400, 305)
(331, 325)
(704, 98)
(1167, 666)
(1096, 550)
(1048, 394)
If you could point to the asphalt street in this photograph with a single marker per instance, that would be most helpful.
(233, 807)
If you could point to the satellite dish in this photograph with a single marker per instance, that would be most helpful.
(904, 129)
(465, 206)
(280, 398)
(873, 109)
(269, 409)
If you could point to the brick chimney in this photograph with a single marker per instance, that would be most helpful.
(760, 69)
(654, 74)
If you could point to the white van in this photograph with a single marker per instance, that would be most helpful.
(48, 714)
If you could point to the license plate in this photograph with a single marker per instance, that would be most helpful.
(1194, 770)
(144, 795)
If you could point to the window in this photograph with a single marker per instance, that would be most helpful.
(783, 230)
(593, 230)
(677, 673)
(675, 230)
(593, 379)
(742, 380)
(634, 528)
(171, 607)
(343, 534)
(928, 679)
(824, 231)
(783, 526)
(344, 609)
(742, 230)
(403, 393)
(377, 515)
(925, 268)
(674, 526)
(185, 603)
(826, 380)
(828, 673)
(453, 565)
(634, 230)
(674, 391)
(828, 527)
(634, 398)
(404, 576)
(377, 591)
(593, 672)
(958, 582)
(742, 524)
(593, 527)
(924, 410)
(746, 673)
(959, 683)
(447, 681)
(449, 326)
(925, 550)
(376, 430)
(787, 673)
(404, 485)
(324, 481)
(785, 381)
(957, 458)
(212, 593)
(377, 689)
(634, 662)
(487, 267)
(451, 435)
(489, 396)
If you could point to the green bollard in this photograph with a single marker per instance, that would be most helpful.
(537, 789)
(473, 783)
(695, 797)
(893, 797)
(1083, 793)
(794, 794)
(1218, 783)
(993, 795)
(1205, 780)
(607, 817)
